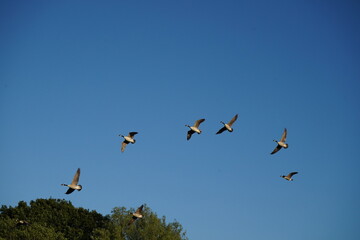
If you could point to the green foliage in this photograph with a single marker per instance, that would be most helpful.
(50, 219)
(150, 227)
(11, 231)
(59, 220)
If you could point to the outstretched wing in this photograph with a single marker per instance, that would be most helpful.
(189, 134)
(221, 130)
(278, 147)
(76, 177)
(292, 174)
(283, 137)
(139, 210)
(70, 190)
(132, 220)
(198, 122)
(123, 146)
(233, 120)
(132, 134)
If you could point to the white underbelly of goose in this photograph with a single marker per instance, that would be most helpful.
(195, 129)
(228, 128)
(129, 139)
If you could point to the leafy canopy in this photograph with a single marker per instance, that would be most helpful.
(59, 219)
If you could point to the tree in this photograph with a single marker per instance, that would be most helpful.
(47, 217)
(150, 227)
(57, 219)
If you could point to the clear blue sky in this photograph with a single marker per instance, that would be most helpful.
(75, 74)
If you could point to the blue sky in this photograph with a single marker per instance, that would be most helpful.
(75, 74)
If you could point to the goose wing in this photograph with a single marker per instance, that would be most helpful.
(76, 177)
(292, 174)
(283, 137)
(132, 134)
(70, 190)
(198, 122)
(139, 210)
(233, 120)
(123, 146)
(189, 134)
(221, 130)
(278, 147)
(133, 218)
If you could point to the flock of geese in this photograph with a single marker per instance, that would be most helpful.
(193, 129)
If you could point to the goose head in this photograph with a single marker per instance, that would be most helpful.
(222, 122)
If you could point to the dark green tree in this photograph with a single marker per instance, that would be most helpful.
(50, 219)
(55, 219)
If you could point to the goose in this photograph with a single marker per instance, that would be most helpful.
(22, 223)
(127, 139)
(74, 184)
(194, 129)
(227, 126)
(282, 143)
(288, 177)
(136, 215)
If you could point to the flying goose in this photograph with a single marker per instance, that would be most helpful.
(127, 139)
(194, 128)
(288, 177)
(22, 223)
(136, 215)
(74, 184)
(282, 143)
(227, 126)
